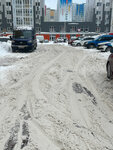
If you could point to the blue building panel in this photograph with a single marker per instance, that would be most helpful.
(80, 10)
(64, 2)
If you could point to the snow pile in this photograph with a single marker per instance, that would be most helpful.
(5, 48)
(57, 98)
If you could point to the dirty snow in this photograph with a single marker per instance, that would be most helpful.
(56, 98)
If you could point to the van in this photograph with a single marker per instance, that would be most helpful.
(23, 40)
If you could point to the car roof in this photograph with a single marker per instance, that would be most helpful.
(107, 35)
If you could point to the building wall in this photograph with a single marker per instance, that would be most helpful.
(72, 27)
(50, 15)
(111, 26)
(102, 15)
(64, 9)
(89, 10)
(5, 15)
(78, 12)
(39, 8)
(23, 14)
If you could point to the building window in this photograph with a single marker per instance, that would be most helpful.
(38, 29)
(108, 4)
(8, 3)
(98, 29)
(9, 12)
(107, 12)
(72, 29)
(99, 4)
(52, 29)
(98, 12)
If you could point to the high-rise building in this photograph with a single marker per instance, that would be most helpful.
(39, 13)
(78, 12)
(64, 9)
(5, 15)
(89, 10)
(102, 15)
(50, 15)
(21, 13)
(111, 26)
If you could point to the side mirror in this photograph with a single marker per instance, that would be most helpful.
(111, 50)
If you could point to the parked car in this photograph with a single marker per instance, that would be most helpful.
(46, 41)
(105, 46)
(82, 41)
(40, 38)
(60, 40)
(109, 65)
(94, 43)
(73, 39)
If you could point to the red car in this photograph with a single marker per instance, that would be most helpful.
(109, 65)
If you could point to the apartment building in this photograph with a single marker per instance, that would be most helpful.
(21, 13)
(111, 26)
(89, 10)
(50, 15)
(5, 15)
(102, 15)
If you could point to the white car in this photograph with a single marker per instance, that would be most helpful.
(40, 38)
(105, 46)
(82, 42)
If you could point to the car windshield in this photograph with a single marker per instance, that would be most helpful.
(97, 38)
(22, 34)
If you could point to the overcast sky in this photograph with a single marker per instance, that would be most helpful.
(53, 3)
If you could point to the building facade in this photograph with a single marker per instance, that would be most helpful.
(21, 13)
(39, 6)
(64, 10)
(5, 15)
(89, 10)
(102, 15)
(50, 15)
(111, 26)
(78, 12)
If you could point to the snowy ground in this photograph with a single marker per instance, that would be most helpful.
(56, 98)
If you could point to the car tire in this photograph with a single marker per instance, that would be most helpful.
(78, 44)
(109, 72)
(108, 49)
(91, 46)
(14, 50)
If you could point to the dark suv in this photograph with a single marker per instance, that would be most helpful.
(109, 65)
(24, 40)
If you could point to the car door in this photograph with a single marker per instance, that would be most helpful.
(101, 40)
(111, 62)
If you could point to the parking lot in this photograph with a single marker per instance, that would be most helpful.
(61, 94)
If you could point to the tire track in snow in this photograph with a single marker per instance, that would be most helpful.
(88, 82)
